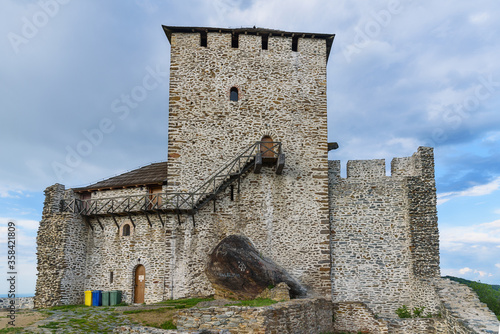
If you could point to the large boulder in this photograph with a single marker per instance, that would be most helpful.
(237, 270)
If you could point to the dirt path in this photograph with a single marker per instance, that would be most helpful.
(23, 318)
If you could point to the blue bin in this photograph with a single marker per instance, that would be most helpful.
(96, 298)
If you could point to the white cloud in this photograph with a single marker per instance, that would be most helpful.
(478, 190)
(465, 270)
(480, 239)
(22, 224)
(479, 18)
(497, 265)
(8, 192)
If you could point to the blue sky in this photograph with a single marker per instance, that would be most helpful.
(401, 74)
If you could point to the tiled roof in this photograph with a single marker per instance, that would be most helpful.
(155, 173)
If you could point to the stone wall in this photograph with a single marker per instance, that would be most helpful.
(296, 316)
(19, 302)
(357, 317)
(379, 255)
(282, 94)
(61, 248)
(111, 253)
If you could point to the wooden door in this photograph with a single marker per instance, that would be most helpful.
(140, 284)
(266, 146)
(85, 197)
(155, 197)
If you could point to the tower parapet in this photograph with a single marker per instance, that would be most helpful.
(384, 232)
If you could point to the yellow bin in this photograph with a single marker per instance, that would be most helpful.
(88, 298)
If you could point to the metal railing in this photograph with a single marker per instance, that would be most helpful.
(182, 202)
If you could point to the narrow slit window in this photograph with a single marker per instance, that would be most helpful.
(203, 39)
(110, 277)
(265, 42)
(233, 95)
(295, 43)
(126, 230)
(234, 41)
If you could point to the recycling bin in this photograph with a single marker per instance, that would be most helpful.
(105, 298)
(96, 298)
(115, 297)
(88, 298)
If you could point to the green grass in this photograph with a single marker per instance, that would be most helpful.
(254, 302)
(85, 319)
(168, 325)
(148, 310)
(51, 325)
(12, 330)
(65, 307)
(184, 303)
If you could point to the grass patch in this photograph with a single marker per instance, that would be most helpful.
(12, 330)
(160, 309)
(50, 325)
(168, 325)
(159, 318)
(163, 317)
(254, 302)
(184, 303)
(64, 307)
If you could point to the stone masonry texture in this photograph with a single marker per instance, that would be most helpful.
(362, 246)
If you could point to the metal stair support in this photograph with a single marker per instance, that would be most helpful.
(184, 202)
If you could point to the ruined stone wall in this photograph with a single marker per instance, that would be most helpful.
(61, 248)
(357, 317)
(282, 94)
(379, 254)
(296, 316)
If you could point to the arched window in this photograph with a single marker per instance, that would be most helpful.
(233, 95)
(126, 230)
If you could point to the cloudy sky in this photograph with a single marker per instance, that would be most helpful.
(401, 74)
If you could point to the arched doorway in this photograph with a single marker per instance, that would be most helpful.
(140, 284)
(266, 147)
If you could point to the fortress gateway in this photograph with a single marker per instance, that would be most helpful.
(248, 155)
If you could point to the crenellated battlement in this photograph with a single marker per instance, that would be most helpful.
(421, 163)
(249, 39)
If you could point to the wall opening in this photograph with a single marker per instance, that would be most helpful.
(203, 39)
(295, 43)
(155, 199)
(265, 42)
(110, 277)
(86, 197)
(266, 147)
(234, 41)
(126, 230)
(140, 284)
(233, 94)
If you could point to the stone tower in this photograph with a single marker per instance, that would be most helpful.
(230, 88)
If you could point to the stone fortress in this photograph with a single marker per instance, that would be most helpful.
(248, 155)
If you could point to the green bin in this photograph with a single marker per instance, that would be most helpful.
(105, 298)
(115, 297)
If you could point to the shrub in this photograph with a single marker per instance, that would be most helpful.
(403, 312)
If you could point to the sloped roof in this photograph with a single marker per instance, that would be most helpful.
(155, 173)
(251, 31)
